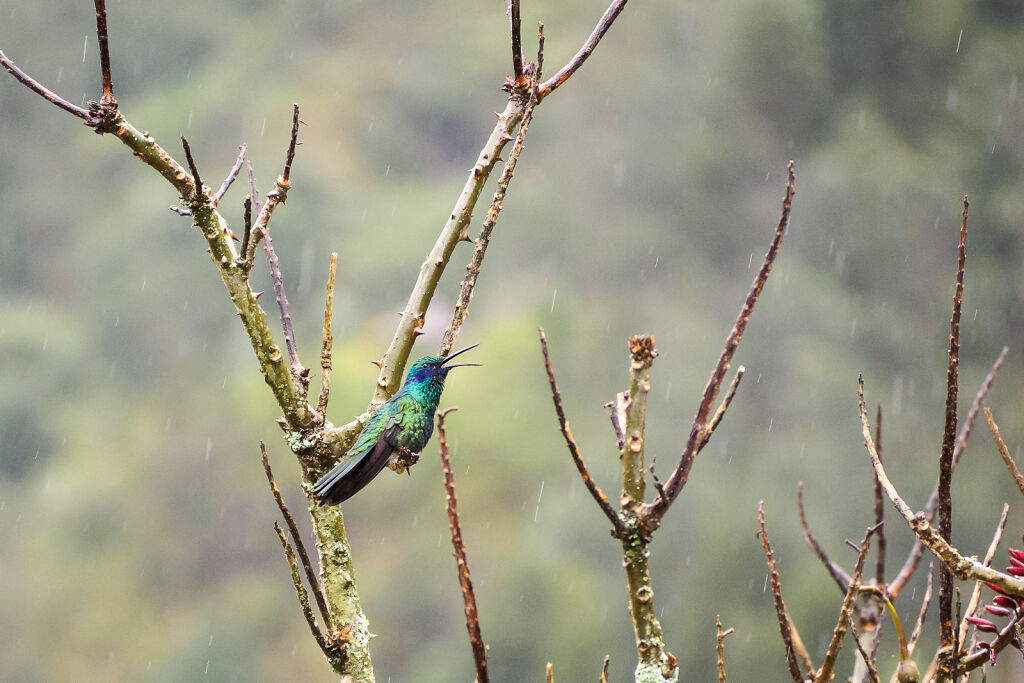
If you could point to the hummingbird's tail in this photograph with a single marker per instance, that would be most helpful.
(350, 475)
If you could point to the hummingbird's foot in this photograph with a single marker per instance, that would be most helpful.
(402, 460)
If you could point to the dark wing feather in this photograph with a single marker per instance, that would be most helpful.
(350, 475)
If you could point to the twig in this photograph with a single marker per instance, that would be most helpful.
(656, 510)
(721, 646)
(232, 174)
(964, 568)
(517, 43)
(549, 672)
(1004, 451)
(923, 614)
(972, 604)
(252, 187)
(584, 52)
(618, 416)
(595, 491)
(786, 626)
(837, 573)
(484, 238)
(282, 304)
(825, 674)
(948, 439)
(277, 195)
(180, 211)
(604, 669)
(101, 35)
(723, 406)
(307, 566)
(328, 341)
(246, 224)
(197, 182)
(868, 660)
(914, 558)
(879, 506)
(300, 590)
(41, 90)
(476, 641)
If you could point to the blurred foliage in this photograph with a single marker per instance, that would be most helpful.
(134, 519)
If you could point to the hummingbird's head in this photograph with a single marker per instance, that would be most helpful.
(429, 367)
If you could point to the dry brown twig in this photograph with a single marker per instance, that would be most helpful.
(476, 640)
(837, 573)
(790, 636)
(702, 428)
(328, 342)
(923, 614)
(595, 491)
(604, 669)
(1018, 478)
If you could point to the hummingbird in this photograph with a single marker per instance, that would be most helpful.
(403, 423)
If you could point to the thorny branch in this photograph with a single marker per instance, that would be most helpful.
(948, 438)
(701, 430)
(476, 640)
(484, 238)
(563, 423)
(965, 568)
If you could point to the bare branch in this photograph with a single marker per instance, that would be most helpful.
(276, 196)
(517, 43)
(720, 637)
(584, 52)
(923, 614)
(948, 439)
(825, 674)
(868, 659)
(247, 225)
(300, 590)
(197, 182)
(722, 407)
(786, 626)
(232, 174)
(965, 568)
(101, 35)
(837, 573)
(617, 408)
(484, 238)
(307, 566)
(476, 641)
(972, 604)
(914, 558)
(282, 304)
(549, 672)
(254, 191)
(696, 441)
(880, 544)
(595, 491)
(41, 90)
(328, 342)
(1004, 451)
(604, 669)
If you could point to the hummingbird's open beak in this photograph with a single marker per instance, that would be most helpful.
(460, 365)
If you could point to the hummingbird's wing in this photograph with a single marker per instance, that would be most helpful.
(365, 459)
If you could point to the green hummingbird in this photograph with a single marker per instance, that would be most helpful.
(403, 423)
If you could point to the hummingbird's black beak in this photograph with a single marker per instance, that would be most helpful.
(460, 365)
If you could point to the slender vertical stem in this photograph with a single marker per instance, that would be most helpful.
(328, 341)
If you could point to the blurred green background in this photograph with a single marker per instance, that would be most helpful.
(135, 521)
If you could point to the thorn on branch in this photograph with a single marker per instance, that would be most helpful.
(476, 640)
(180, 211)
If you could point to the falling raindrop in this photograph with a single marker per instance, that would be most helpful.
(85, 45)
(553, 295)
